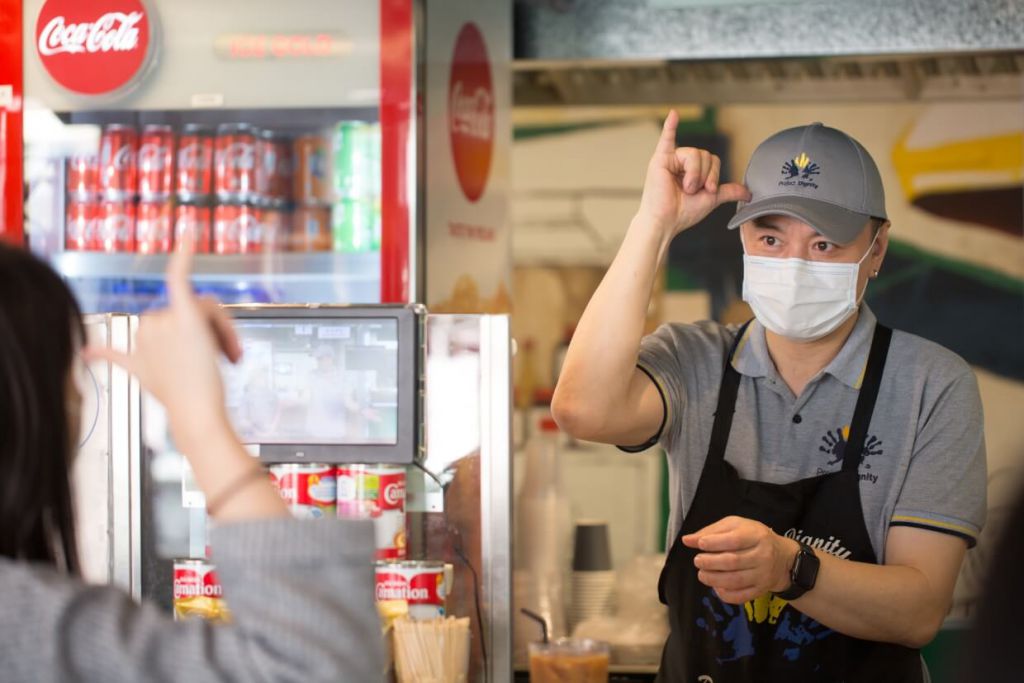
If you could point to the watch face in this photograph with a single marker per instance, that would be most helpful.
(805, 570)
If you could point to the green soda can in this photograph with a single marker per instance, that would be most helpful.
(354, 160)
(353, 225)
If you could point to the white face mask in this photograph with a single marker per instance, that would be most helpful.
(804, 300)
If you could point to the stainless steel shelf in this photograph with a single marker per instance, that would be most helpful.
(279, 267)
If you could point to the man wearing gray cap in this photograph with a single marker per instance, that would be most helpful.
(826, 474)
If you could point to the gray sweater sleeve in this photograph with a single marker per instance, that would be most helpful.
(300, 592)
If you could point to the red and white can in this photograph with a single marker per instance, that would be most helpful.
(235, 163)
(376, 492)
(116, 227)
(81, 226)
(154, 228)
(310, 489)
(197, 591)
(192, 222)
(195, 164)
(422, 585)
(156, 162)
(119, 146)
(273, 168)
(237, 229)
(83, 177)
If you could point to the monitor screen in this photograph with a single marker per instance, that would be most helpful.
(308, 381)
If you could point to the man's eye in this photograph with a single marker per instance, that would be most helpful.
(769, 241)
(822, 246)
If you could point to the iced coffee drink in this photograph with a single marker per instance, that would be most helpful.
(569, 661)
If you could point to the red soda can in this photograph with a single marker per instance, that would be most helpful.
(195, 163)
(81, 227)
(235, 162)
(156, 162)
(116, 227)
(252, 238)
(83, 175)
(237, 229)
(153, 229)
(192, 221)
(118, 149)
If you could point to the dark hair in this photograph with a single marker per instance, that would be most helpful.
(40, 330)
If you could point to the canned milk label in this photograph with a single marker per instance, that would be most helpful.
(197, 591)
(309, 490)
(419, 584)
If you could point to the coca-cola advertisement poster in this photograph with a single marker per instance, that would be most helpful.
(96, 47)
(468, 140)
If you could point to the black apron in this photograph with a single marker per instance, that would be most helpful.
(767, 639)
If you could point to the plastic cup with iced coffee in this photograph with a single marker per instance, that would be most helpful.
(569, 660)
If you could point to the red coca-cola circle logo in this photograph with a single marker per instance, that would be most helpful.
(471, 111)
(94, 47)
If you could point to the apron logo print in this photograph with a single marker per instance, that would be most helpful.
(728, 625)
(732, 626)
(834, 445)
(767, 607)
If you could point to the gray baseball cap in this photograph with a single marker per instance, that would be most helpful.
(818, 175)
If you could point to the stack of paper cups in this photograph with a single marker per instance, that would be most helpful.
(593, 580)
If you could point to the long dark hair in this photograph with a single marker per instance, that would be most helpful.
(40, 331)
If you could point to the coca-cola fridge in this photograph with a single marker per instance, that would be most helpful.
(346, 407)
(315, 151)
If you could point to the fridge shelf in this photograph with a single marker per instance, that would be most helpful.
(279, 266)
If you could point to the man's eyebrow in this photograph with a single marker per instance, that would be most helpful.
(764, 224)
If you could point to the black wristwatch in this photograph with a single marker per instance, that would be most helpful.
(803, 575)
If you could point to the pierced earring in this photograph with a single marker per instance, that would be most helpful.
(875, 274)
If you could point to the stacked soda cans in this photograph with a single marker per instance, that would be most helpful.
(229, 189)
(356, 215)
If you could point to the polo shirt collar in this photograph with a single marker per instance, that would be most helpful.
(752, 357)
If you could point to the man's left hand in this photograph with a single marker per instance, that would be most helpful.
(742, 559)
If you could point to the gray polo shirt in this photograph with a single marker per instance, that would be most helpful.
(923, 463)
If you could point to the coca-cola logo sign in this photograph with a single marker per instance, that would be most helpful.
(471, 111)
(92, 48)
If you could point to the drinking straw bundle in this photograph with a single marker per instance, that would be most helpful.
(435, 651)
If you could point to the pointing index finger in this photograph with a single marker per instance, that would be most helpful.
(179, 288)
(667, 141)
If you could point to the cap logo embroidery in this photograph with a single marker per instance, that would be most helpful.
(800, 172)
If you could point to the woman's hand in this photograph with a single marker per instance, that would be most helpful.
(682, 185)
(175, 354)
